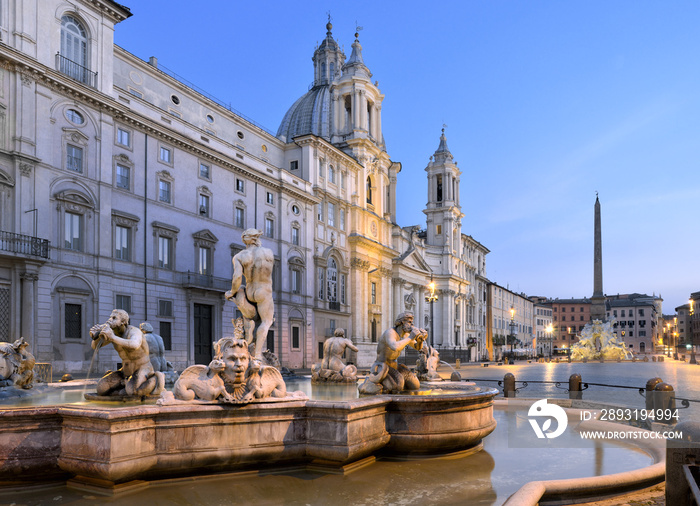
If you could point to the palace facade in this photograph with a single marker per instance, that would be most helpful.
(121, 186)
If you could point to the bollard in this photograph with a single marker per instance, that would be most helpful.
(575, 391)
(679, 454)
(646, 359)
(664, 404)
(509, 385)
(651, 384)
(458, 364)
(585, 360)
(653, 358)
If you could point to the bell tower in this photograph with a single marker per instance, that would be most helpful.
(444, 214)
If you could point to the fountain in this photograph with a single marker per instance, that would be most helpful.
(235, 413)
(599, 342)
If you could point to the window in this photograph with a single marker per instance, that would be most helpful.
(204, 260)
(166, 155)
(369, 190)
(331, 214)
(438, 229)
(295, 337)
(319, 211)
(204, 205)
(320, 282)
(321, 169)
(641, 312)
(175, 99)
(294, 165)
(210, 118)
(295, 210)
(122, 243)
(331, 174)
(204, 171)
(296, 281)
(341, 218)
(165, 308)
(295, 236)
(240, 185)
(342, 288)
(269, 228)
(73, 323)
(332, 276)
(270, 198)
(374, 293)
(166, 332)
(165, 252)
(240, 217)
(74, 50)
(164, 191)
(123, 137)
(240, 135)
(123, 302)
(73, 231)
(563, 310)
(342, 180)
(74, 158)
(75, 117)
(123, 177)
(439, 189)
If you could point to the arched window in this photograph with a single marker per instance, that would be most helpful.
(74, 60)
(332, 279)
(369, 190)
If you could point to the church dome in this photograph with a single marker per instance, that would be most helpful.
(311, 113)
(308, 115)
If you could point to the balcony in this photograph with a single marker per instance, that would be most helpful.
(24, 245)
(76, 71)
(205, 282)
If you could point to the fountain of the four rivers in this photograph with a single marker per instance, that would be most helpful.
(244, 432)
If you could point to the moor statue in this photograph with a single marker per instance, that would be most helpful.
(16, 365)
(254, 300)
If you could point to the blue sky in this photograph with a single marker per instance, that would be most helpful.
(545, 102)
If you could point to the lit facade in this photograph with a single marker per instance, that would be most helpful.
(122, 186)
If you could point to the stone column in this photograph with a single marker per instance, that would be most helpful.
(28, 312)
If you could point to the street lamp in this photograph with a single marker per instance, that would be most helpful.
(431, 297)
(692, 335)
(512, 336)
(668, 340)
(549, 330)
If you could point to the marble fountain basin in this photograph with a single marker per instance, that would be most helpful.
(116, 448)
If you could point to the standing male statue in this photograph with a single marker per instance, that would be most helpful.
(386, 374)
(136, 377)
(254, 300)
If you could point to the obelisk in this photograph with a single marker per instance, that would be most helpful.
(598, 299)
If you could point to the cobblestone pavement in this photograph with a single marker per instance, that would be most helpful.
(650, 497)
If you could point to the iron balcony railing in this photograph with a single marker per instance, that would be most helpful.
(76, 71)
(205, 281)
(24, 244)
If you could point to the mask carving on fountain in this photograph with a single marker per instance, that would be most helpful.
(233, 377)
(16, 364)
(332, 368)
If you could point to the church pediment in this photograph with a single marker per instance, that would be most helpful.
(412, 259)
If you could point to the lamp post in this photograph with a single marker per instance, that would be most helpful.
(431, 297)
(548, 330)
(692, 335)
(668, 340)
(512, 336)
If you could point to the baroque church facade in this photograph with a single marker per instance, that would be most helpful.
(123, 187)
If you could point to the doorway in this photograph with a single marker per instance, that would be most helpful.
(203, 334)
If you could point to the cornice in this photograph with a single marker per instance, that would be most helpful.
(14, 61)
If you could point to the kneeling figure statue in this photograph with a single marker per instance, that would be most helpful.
(386, 374)
(136, 377)
(332, 368)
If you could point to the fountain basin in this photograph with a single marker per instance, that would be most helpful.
(110, 447)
